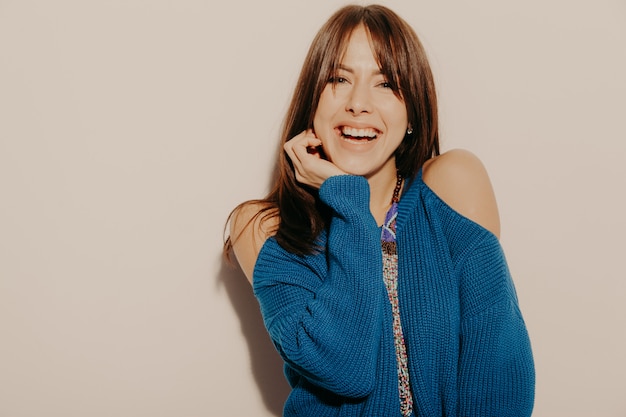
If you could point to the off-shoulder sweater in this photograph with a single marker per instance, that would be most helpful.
(329, 317)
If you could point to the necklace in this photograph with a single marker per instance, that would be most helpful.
(396, 191)
(389, 225)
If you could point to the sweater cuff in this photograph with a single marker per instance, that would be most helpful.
(346, 193)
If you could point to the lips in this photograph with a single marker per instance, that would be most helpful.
(353, 133)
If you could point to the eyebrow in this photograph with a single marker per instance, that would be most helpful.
(351, 71)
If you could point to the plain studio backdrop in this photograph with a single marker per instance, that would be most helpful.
(130, 128)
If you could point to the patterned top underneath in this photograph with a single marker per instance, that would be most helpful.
(390, 277)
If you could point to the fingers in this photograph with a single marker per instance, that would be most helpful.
(299, 151)
(309, 167)
(302, 144)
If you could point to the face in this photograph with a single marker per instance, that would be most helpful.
(359, 119)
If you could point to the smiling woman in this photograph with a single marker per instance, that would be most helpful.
(360, 119)
(375, 260)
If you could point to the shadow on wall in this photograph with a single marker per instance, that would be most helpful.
(266, 364)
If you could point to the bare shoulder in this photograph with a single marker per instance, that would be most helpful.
(250, 226)
(460, 179)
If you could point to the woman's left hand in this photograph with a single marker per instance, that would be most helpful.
(305, 154)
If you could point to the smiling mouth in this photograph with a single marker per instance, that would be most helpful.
(351, 133)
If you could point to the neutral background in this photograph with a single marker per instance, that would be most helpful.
(130, 128)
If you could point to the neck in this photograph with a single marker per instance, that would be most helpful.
(382, 185)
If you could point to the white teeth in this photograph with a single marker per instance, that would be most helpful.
(358, 133)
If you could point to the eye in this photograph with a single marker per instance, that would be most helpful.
(337, 80)
(386, 84)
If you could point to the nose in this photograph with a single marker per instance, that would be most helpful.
(359, 100)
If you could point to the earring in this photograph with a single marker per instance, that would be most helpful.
(409, 130)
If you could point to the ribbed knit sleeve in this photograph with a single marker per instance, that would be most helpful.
(324, 313)
(496, 371)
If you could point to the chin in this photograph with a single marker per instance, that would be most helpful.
(356, 169)
(364, 167)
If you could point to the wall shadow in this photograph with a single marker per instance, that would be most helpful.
(266, 364)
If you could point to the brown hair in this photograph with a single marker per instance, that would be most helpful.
(403, 62)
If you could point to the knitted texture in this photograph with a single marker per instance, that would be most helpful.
(330, 319)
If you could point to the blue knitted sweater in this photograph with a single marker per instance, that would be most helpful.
(329, 316)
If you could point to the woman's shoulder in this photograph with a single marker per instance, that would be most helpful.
(251, 224)
(460, 179)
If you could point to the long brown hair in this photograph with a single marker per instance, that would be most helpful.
(403, 62)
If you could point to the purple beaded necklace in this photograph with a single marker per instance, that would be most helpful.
(389, 226)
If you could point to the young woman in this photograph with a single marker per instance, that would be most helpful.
(375, 260)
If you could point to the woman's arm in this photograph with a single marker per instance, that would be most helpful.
(496, 370)
(323, 312)
(249, 229)
(460, 179)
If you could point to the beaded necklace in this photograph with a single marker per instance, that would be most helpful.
(390, 277)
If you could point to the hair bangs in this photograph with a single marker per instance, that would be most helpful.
(328, 49)
(391, 59)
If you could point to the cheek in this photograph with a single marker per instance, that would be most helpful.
(326, 106)
(400, 121)
(322, 121)
(398, 133)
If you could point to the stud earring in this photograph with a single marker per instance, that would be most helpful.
(409, 130)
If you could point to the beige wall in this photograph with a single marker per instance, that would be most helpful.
(130, 128)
